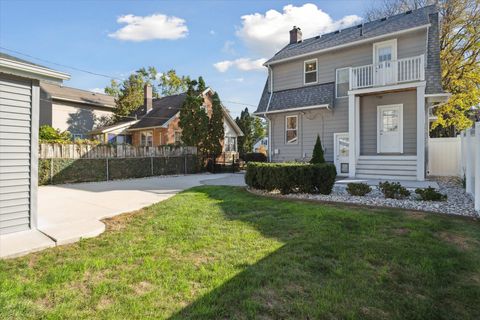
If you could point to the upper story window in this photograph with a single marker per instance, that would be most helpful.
(310, 70)
(291, 129)
(178, 137)
(146, 138)
(342, 82)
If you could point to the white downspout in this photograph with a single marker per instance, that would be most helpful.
(270, 71)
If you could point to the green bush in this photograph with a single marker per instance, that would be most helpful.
(254, 157)
(317, 155)
(128, 168)
(48, 134)
(430, 194)
(291, 177)
(393, 190)
(358, 189)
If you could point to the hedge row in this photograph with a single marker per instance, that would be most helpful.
(58, 171)
(291, 177)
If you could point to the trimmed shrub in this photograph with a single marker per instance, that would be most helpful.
(430, 194)
(128, 168)
(79, 170)
(254, 157)
(393, 190)
(291, 177)
(317, 155)
(358, 189)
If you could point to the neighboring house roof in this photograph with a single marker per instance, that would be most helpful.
(319, 95)
(119, 125)
(78, 95)
(369, 30)
(20, 67)
(163, 110)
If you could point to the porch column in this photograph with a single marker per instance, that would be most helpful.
(352, 153)
(421, 130)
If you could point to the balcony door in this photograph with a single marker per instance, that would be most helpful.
(384, 55)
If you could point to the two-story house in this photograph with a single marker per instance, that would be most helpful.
(365, 90)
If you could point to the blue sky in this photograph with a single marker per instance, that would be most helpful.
(224, 41)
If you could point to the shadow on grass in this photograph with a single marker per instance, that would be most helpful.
(339, 262)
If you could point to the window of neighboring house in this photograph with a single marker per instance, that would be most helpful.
(291, 129)
(230, 144)
(146, 139)
(342, 82)
(178, 137)
(77, 136)
(310, 70)
(120, 139)
(112, 138)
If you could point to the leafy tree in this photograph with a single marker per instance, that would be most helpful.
(170, 83)
(259, 129)
(245, 123)
(129, 94)
(216, 130)
(193, 118)
(47, 133)
(459, 56)
(201, 85)
(317, 156)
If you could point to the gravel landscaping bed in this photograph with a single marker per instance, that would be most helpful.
(458, 202)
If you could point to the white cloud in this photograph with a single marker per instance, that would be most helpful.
(212, 32)
(97, 90)
(243, 64)
(267, 33)
(228, 47)
(235, 80)
(155, 26)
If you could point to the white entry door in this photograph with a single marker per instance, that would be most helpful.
(384, 54)
(390, 129)
(341, 150)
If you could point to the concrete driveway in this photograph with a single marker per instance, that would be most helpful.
(67, 213)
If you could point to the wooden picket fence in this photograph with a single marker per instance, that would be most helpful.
(84, 151)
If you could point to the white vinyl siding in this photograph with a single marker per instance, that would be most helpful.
(15, 147)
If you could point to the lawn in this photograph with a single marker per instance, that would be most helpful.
(222, 253)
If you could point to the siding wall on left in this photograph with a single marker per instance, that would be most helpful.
(16, 175)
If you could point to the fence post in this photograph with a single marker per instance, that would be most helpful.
(106, 160)
(477, 166)
(151, 164)
(468, 162)
(51, 171)
(185, 162)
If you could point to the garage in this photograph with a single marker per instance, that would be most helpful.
(19, 112)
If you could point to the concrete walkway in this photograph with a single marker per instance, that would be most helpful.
(67, 213)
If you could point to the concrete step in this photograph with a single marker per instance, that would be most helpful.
(385, 167)
(69, 232)
(385, 177)
(387, 172)
(390, 161)
(402, 158)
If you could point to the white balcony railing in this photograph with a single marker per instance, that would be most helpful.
(388, 73)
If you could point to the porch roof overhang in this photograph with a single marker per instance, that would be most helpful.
(395, 87)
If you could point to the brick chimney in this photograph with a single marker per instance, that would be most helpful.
(147, 97)
(295, 35)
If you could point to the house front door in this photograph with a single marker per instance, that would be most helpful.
(341, 149)
(390, 129)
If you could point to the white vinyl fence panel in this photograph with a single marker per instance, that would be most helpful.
(444, 157)
(470, 150)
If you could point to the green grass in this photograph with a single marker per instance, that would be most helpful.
(220, 252)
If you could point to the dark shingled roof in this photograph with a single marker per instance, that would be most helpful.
(306, 96)
(163, 109)
(83, 96)
(371, 29)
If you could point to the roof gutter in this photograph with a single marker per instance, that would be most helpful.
(33, 69)
(98, 104)
(349, 44)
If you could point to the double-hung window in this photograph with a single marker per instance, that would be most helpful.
(178, 137)
(342, 82)
(310, 71)
(291, 129)
(147, 139)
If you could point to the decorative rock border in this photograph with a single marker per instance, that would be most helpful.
(458, 202)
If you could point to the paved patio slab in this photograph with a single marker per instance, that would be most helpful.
(20, 243)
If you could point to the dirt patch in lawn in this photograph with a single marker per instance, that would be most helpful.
(121, 221)
(401, 231)
(460, 241)
(142, 288)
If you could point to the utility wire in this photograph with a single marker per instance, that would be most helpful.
(61, 65)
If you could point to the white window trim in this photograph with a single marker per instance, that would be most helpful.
(336, 81)
(400, 124)
(150, 133)
(286, 129)
(335, 152)
(305, 71)
(392, 42)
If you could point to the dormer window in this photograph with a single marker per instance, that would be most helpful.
(310, 70)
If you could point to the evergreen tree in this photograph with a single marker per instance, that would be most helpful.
(245, 123)
(216, 130)
(317, 156)
(193, 118)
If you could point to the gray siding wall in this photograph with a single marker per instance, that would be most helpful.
(289, 75)
(315, 122)
(15, 151)
(368, 120)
